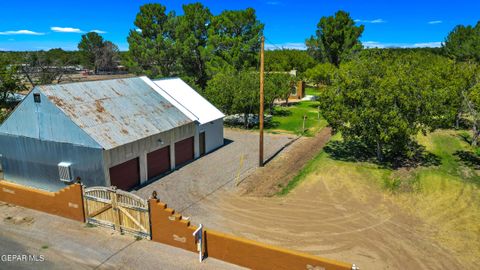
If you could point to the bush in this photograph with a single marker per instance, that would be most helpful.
(321, 74)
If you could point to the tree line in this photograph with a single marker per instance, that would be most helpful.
(380, 97)
(383, 98)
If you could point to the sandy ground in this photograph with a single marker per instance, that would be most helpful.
(67, 244)
(334, 218)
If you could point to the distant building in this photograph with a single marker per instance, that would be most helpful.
(121, 132)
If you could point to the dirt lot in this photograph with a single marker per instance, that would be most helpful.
(220, 169)
(267, 181)
(67, 244)
(336, 218)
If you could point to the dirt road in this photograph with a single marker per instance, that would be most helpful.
(267, 181)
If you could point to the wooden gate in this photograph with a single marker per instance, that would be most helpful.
(117, 209)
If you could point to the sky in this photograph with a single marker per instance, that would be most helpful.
(42, 25)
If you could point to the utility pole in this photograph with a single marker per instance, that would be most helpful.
(260, 115)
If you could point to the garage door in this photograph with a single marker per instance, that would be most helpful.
(158, 162)
(183, 151)
(126, 175)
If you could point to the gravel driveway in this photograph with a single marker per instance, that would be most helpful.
(217, 170)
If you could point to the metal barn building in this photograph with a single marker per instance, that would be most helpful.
(120, 132)
(209, 120)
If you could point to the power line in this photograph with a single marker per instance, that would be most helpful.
(273, 44)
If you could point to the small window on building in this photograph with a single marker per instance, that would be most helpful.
(36, 97)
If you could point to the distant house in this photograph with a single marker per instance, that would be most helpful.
(121, 132)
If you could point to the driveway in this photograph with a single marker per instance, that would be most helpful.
(58, 243)
(220, 169)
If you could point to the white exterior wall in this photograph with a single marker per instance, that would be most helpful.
(144, 146)
(213, 136)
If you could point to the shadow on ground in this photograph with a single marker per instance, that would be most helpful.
(357, 151)
(468, 158)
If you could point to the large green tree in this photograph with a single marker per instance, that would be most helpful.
(277, 86)
(337, 37)
(385, 102)
(97, 53)
(151, 43)
(191, 36)
(463, 43)
(234, 40)
(235, 92)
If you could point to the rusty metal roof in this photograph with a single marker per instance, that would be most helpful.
(116, 112)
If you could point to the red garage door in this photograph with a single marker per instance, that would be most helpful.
(125, 176)
(158, 162)
(183, 151)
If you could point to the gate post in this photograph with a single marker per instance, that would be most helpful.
(84, 203)
(116, 212)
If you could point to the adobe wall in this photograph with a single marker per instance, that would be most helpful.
(169, 228)
(260, 256)
(67, 202)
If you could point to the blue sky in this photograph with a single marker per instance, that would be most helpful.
(409, 23)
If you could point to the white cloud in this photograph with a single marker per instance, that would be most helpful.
(375, 44)
(65, 29)
(434, 22)
(22, 32)
(98, 31)
(434, 44)
(138, 30)
(371, 21)
(273, 3)
(287, 45)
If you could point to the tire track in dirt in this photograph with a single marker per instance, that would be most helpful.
(333, 218)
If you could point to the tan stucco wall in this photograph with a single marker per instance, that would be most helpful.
(67, 202)
(169, 228)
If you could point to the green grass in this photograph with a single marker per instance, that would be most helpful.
(304, 172)
(44, 247)
(290, 119)
(313, 91)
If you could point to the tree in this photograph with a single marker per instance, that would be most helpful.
(10, 82)
(107, 57)
(385, 102)
(235, 92)
(191, 36)
(90, 46)
(321, 74)
(277, 86)
(287, 60)
(234, 40)
(470, 91)
(463, 43)
(97, 52)
(336, 38)
(151, 43)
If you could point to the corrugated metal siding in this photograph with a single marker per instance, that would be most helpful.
(116, 112)
(44, 121)
(33, 162)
